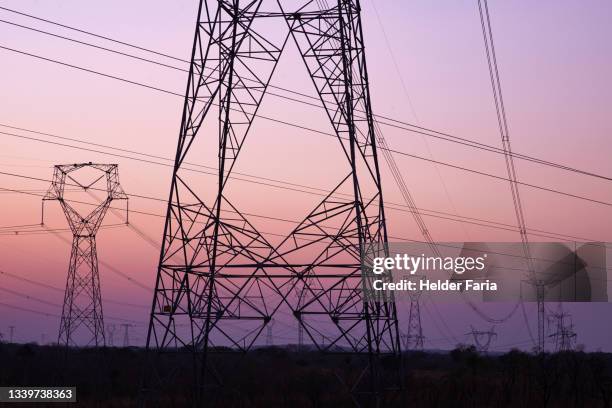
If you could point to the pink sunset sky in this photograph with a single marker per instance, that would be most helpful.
(426, 66)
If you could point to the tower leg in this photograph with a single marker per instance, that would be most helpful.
(82, 299)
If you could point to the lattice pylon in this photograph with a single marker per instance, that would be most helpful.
(82, 308)
(482, 338)
(414, 335)
(215, 266)
(564, 336)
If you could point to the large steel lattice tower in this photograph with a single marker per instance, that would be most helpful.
(82, 309)
(216, 268)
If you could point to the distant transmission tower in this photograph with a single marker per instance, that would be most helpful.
(413, 340)
(269, 334)
(482, 339)
(300, 337)
(414, 336)
(82, 307)
(11, 333)
(110, 330)
(126, 334)
(564, 336)
(215, 266)
(540, 300)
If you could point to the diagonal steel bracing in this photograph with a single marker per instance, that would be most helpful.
(82, 309)
(216, 269)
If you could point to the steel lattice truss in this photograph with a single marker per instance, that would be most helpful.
(82, 309)
(414, 336)
(482, 339)
(215, 266)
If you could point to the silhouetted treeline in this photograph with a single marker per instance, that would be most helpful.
(284, 377)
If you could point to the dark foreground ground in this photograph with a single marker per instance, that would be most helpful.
(283, 377)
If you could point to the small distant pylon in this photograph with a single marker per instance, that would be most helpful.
(269, 335)
(413, 340)
(11, 333)
(300, 336)
(564, 336)
(540, 289)
(110, 334)
(482, 339)
(126, 334)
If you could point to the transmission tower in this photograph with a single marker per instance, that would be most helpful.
(564, 336)
(11, 333)
(414, 336)
(269, 334)
(82, 307)
(540, 297)
(223, 268)
(413, 340)
(110, 337)
(126, 334)
(300, 337)
(482, 339)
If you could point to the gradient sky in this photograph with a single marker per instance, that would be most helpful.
(427, 66)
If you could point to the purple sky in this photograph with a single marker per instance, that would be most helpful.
(427, 67)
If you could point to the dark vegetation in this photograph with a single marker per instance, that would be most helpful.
(283, 377)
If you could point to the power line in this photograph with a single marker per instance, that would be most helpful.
(151, 87)
(435, 214)
(416, 118)
(92, 34)
(60, 290)
(157, 62)
(398, 238)
(293, 221)
(22, 225)
(25, 296)
(56, 233)
(91, 71)
(150, 156)
(57, 230)
(487, 34)
(111, 76)
(427, 310)
(456, 167)
(92, 45)
(111, 268)
(24, 309)
(413, 128)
